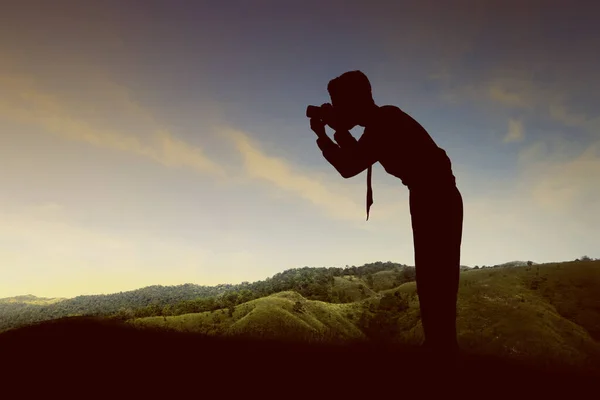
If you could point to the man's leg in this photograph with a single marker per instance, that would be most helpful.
(437, 232)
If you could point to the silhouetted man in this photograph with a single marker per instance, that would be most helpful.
(405, 150)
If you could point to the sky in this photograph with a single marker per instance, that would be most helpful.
(166, 142)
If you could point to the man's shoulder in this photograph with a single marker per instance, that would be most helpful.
(392, 111)
(390, 114)
(389, 108)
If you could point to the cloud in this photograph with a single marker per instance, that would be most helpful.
(562, 180)
(512, 90)
(510, 97)
(515, 131)
(23, 101)
(560, 112)
(558, 167)
(286, 177)
(527, 95)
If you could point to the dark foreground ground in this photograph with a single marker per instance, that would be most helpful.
(86, 358)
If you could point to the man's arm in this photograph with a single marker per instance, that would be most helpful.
(345, 139)
(351, 156)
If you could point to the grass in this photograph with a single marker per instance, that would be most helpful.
(384, 280)
(273, 317)
(513, 324)
(349, 289)
(499, 313)
(542, 316)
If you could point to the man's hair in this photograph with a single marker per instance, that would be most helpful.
(351, 84)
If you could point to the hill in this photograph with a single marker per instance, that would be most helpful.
(312, 283)
(284, 316)
(105, 357)
(24, 310)
(515, 264)
(30, 299)
(540, 314)
(534, 327)
(543, 315)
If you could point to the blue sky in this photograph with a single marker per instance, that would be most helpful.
(165, 142)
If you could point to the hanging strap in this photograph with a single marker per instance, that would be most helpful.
(369, 190)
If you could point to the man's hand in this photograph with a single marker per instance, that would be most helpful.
(318, 127)
(323, 141)
(329, 117)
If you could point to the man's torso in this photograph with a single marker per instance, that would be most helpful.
(405, 150)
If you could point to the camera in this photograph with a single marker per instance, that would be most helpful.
(314, 112)
(322, 112)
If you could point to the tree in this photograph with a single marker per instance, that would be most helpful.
(167, 310)
(393, 302)
(370, 281)
(409, 274)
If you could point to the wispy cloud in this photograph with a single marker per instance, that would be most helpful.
(558, 169)
(563, 180)
(548, 101)
(561, 113)
(23, 101)
(284, 176)
(509, 96)
(515, 131)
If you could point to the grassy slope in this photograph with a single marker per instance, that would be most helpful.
(349, 288)
(272, 317)
(384, 280)
(500, 312)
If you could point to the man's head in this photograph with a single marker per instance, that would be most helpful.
(351, 98)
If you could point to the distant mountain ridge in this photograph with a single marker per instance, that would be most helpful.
(543, 315)
(516, 264)
(31, 299)
(312, 283)
(321, 284)
(194, 288)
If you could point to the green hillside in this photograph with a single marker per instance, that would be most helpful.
(311, 283)
(543, 313)
(540, 314)
(347, 289)
(284, 316)
(384, 280)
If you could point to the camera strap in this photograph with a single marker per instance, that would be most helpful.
(369, 190)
